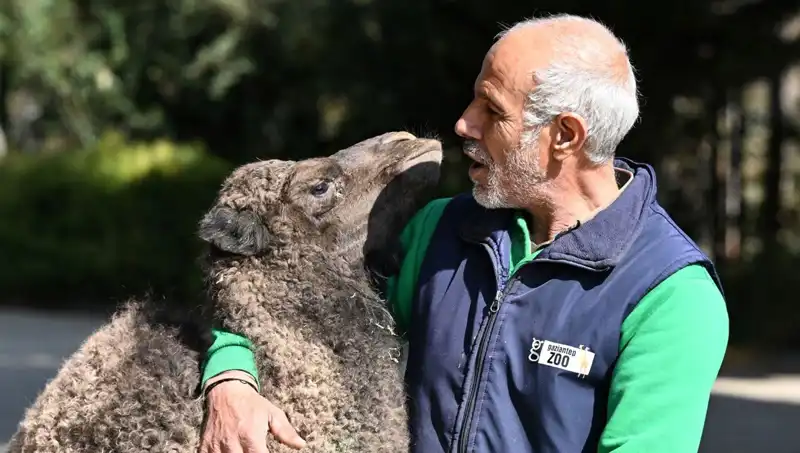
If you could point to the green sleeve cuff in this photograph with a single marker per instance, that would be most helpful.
(229, 352)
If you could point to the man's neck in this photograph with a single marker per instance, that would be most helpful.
(569, 201)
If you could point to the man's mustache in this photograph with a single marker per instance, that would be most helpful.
(474, 151)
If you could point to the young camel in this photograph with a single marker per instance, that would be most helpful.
(288, 264)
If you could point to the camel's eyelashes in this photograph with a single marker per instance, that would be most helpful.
(320, 189)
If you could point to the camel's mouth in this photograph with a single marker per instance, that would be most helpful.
(430, 153)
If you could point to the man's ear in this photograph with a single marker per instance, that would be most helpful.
(239, 232)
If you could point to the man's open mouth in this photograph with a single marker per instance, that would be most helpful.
(476, 165)
(476, 161)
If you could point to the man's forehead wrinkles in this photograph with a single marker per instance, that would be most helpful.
(484, 88)
(494, 90)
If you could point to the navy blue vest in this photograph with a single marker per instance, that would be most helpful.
(474, 338)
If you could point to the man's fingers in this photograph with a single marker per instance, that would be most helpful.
(209, 447)
(254, 444)
(283, 431)
(232, 447)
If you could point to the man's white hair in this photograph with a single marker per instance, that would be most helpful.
(582, 80)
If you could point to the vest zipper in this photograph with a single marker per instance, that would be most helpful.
(485, 335)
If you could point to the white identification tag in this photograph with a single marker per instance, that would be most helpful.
(569, 358)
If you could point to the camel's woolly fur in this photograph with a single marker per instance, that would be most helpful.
(324, 345)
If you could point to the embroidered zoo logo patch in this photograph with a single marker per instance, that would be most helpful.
(577, 360)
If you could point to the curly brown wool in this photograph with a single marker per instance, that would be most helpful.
(293, 249)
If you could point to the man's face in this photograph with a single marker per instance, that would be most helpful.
(509, 160)
(510, 180)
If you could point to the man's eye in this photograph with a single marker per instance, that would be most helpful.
(320, 189)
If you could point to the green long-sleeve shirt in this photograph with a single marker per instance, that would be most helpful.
(670, 352)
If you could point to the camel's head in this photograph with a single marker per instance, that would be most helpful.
(352, 204)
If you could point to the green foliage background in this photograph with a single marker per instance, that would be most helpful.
(122, 118)
(101, 224)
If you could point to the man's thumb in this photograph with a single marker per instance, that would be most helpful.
(284, 432)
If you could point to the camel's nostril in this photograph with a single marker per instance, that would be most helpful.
(398, 137)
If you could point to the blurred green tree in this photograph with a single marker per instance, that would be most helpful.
(292, 79)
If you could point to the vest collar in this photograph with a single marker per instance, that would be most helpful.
(598, 244)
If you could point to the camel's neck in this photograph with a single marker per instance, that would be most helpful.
(247, 293)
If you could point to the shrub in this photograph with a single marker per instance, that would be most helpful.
(93, 226)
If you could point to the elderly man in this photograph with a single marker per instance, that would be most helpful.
(556, 308)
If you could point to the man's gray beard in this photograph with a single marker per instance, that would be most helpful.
(516, 180)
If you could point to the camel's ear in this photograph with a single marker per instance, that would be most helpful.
(239, 232)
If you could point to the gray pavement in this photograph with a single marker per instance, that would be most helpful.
(759, 414)
(32, 346)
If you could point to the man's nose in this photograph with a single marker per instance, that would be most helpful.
(467, 126)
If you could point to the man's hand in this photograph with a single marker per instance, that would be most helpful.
(239, 419)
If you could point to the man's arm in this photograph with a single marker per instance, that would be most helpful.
(415, 239)
(238, 417)
(671, 350)
(229, 353)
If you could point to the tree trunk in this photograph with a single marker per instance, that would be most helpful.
(735, 200)
(716, 195)
(4, 85)
(771, 208)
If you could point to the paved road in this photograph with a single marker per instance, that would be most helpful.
(746, 415)
(32, 346)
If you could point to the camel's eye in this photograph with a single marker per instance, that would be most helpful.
(320, 189)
